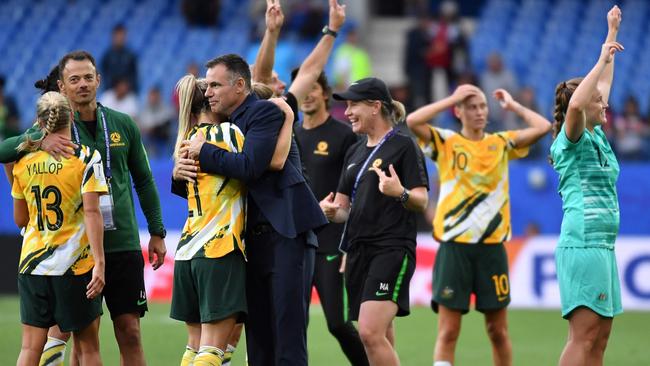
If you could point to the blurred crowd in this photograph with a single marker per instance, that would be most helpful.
(435, 61)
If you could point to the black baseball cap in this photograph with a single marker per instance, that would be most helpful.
(366, 89)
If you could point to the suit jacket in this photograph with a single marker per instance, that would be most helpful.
(283, 197)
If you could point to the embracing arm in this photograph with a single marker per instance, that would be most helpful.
(284, 139)
(8, 153)
(261, 139)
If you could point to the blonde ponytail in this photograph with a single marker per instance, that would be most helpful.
(54, 114)
(399, 112)
(191, 101)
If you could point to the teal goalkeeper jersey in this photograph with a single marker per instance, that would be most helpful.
(588, 172)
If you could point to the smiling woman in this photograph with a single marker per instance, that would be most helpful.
(382, 186)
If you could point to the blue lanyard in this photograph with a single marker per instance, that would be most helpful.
(344, 245)
(365, 165)
(107, 172)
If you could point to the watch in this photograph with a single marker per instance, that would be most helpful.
(162, 234)
(404, 197)
(326, 30)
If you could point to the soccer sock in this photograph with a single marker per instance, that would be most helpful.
(188, 356)
(441, 363)
(208, 356)
(227, 356)
(53, 352)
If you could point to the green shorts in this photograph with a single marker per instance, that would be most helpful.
(588, 277)
(49, 300)
(209, 289)
(463, 269)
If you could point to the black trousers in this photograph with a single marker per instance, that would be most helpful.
(331, 291)
(276, 327)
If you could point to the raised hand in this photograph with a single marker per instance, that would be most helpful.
(389, 185)
(614, 17)
(329, 207)
(337, 15)
(274, 16)
(465, 91)
(608, 50)
(505, 99)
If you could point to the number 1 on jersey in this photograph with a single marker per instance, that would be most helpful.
(199, 211)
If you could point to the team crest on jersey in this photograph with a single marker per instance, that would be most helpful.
(321, 148)
(377, 163)
(116, 139)
(492, 147)
(447, 293)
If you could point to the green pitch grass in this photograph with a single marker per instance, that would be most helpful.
(537, 337)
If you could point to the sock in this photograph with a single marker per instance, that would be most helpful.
(441, 363)
(188, 356)
(53, 352)
(208, 356)
(227, 356)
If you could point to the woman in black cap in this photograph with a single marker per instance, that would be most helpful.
(383, 184)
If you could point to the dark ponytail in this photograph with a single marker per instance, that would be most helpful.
(563, 93)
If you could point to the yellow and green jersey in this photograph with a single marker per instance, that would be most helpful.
(217, 204)
(55, 241)
(474, 201)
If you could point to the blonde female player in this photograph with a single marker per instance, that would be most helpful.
(472, 218)
(209, 270)
(61, 270)
(586, 263)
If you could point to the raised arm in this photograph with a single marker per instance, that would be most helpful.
(417, 121)
(538, 126)
(605, 80)
(576, 121)
(263, 67)
(315, 62)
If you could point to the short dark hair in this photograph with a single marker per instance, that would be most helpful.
(78, 55)
(236, 65)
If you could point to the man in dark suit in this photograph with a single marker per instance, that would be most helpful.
(281, 210)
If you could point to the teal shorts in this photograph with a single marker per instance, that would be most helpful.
(588, 277)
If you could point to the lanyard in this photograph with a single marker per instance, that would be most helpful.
(365, 164)
(107, 172)
(344, 244)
